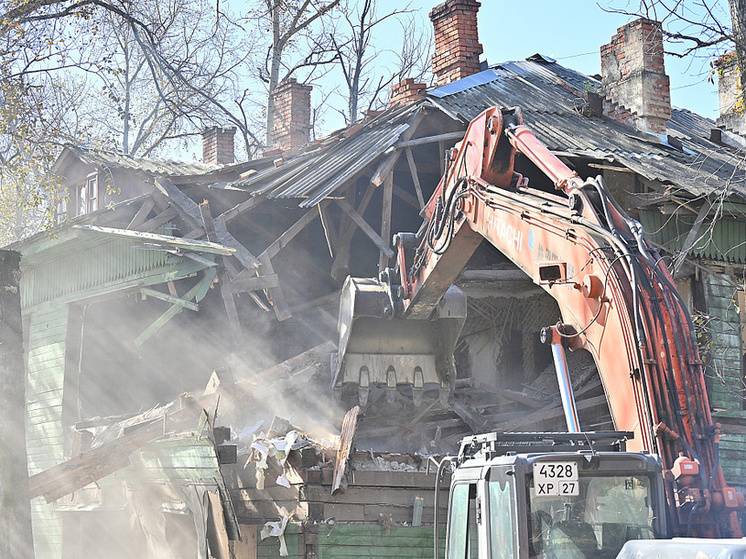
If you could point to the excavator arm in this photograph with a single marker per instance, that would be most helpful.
(616, 296)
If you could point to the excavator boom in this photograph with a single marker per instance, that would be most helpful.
(615, 294)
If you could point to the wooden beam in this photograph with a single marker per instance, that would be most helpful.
(159, 220)
(388, 191)
(328, 227)
(692, 237)
(290, 233)
(415, 177)
(142, 213)
(440, 138)
(243, 283)
(406, 197)
(148, 292)
(197, 293)
(276, 294)
(385, 168)
(228, 215)
(207, 222)
(247, 260)
(365, 227)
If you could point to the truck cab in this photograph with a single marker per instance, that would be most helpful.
(552, 496)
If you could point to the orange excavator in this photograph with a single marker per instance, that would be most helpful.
(617, 300)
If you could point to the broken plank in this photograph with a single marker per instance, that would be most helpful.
(385, 168)
(182, 201)
(346, 436)
(276, 294)
(365, 227)
(406, 197)
(207, 222)
(197, 293)
(415, 177)
(148, 292)
(142, 213)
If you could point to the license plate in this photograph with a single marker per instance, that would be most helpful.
(556, 479)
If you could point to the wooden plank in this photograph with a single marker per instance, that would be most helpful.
(279, 303)
(365, 227)
(289, 234)
(385, 168)
(244, 256)
(388, 191)
(439, 138)
(415, 177)
(406, 197)
(328, 228)
(197, 293)
(148, 292)
(159, 220)
(142, 213)
(244, 282)
(246, 547)
(347, 434)
(228, 215)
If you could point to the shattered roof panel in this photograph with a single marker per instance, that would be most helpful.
(326, 166)
(552, 99)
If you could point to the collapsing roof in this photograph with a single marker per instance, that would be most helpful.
(555, 103)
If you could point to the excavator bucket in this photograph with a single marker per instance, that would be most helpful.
(378, 348)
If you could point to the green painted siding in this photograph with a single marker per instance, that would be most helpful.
(374, 541)
(724, 242)
(270, 548)
(725, 377)
(97, 266)
(45, 372)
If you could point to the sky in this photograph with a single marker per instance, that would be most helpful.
(571, 32)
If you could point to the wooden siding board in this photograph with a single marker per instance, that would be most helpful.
(45, 369)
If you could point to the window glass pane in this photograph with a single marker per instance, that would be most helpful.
(457, 526)
(501, 520)
(82, 197)
(93, 193)
(473, 541)
(607, 512)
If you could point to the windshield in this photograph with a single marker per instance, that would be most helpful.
(595, 520)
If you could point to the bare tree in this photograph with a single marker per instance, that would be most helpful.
(356, 54)
(298, 41)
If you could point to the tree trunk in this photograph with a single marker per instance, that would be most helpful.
(274, 72)
(15, 513)
(738, 17)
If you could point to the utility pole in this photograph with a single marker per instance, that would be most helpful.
(15, 511)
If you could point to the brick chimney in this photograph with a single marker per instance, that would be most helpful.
(217, 145)
(457, 46)
(633, 75)
(291, 123)
(730, 90)
(406, 92)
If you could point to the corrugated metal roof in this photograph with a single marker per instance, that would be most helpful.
(106, 158)
(327, 165)
(552, 99)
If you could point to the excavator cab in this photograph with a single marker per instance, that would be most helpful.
(551, 496)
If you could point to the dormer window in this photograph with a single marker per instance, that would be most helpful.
(88, 195)
(60, 210)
